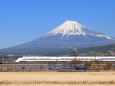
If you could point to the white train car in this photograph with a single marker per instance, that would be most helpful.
(69, 58)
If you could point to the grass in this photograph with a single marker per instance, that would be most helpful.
(57, 85)
(57, 82)
(57, 79)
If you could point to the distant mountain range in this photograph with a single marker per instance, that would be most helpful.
(67, 36)
(105, 50)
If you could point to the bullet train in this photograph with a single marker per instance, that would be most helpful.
(62, 58)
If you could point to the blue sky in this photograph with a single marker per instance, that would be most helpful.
(25, 20)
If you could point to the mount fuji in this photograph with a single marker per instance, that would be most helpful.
(68, 35)
(72, 28)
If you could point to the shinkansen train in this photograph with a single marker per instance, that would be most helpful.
(69, 58)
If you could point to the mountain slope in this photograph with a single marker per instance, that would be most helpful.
(68, 35)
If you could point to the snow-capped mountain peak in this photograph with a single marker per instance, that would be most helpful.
(68, 28)
(71, 28)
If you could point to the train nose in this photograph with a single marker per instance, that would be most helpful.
(18, 60)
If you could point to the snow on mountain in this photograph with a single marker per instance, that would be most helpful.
(70, 28)
(104, 36)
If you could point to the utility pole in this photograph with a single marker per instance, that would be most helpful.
(3, 60)
(11, 59)
(75, 52)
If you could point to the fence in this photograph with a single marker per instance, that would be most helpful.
(40, 67)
